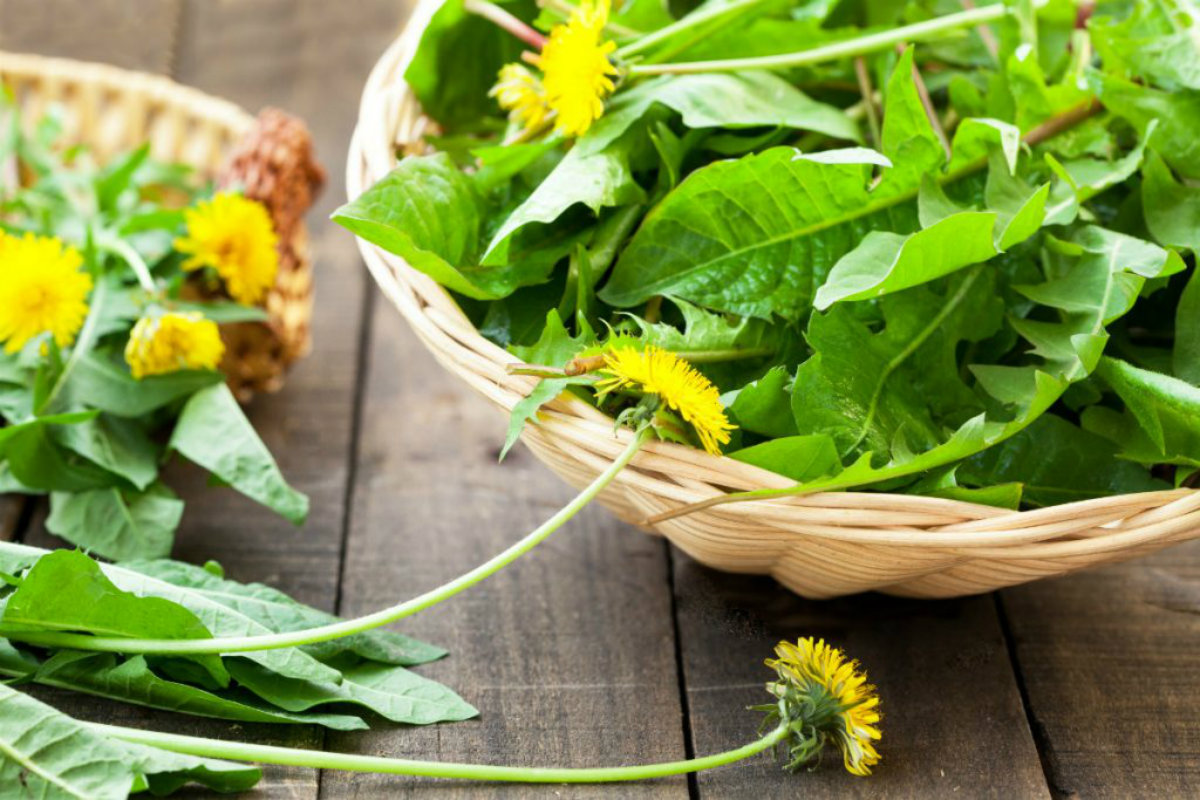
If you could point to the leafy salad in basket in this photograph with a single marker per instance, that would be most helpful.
(932, 247)
(114, 277)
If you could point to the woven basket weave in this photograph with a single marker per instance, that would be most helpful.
(112, 110)
(819, 546)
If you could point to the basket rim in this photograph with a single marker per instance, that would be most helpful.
(979, 526)
(126, 81)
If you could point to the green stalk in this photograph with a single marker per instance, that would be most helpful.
(338, 630)
(728, 354)
(122, 250)
(505, 20)
(286, 756)
(83, 344)
(859, 46)
(692, 20)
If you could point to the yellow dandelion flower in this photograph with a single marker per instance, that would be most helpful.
(831, 697)
(235, 237)
(521, 94)
(42, 290)
(576, 68)
(676, 383)
(171, 342)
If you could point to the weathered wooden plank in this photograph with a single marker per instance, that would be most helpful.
(953, 720)
(311, 60)
(138, 34)
(10, 515)
(1109, 663)
(223, 50)
(569, 653)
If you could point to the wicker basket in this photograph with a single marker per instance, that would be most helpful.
(112, 110)
(819, 546)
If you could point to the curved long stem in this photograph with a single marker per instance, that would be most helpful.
(698, 17)
(861, 45)
(131, 257)
(338, 630)
(83, 344)
(495, 14)
(265, 754)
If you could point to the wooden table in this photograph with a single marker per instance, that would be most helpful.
(606, 646)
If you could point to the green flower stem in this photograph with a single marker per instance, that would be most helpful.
(286, 756)
(83, 344)
(862, 45)
(728, 354)
(122, 250)
(495, 14)
(692, 20)
(338, 630)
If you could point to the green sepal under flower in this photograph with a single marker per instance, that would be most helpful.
(824, 699)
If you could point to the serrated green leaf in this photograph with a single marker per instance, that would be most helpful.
(725, 348)
(116, 177)
(1159, 42)
(101, 383)
(213, 431)
(67, 591)
(975, 137)
(944, 483)
(456, 62)
(1186, 356)
(908, 138)
(758, 236)
(719, 100)
(764, 406)
(1162, 423)
(117, 525)
(887, 262)
(801, 458)
(46, 754)
(220, 619)
(761, 233)
(390, 691)
(1171, 208)
(1084, 178)
(39, 462)
(430, 214)
(1103, 285)
(845, 400)
(554, 348)
(117, 445)
(1177, 115)
(1057, 462)
(281, 613)
(597, 180)
(132, 681)
(870, 390)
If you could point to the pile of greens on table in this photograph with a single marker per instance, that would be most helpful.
(113, 279)
(946, 249)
